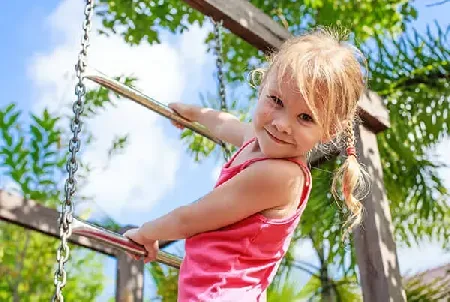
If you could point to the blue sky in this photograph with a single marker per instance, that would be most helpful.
(40, 47)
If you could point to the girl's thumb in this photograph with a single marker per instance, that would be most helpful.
(173, 106)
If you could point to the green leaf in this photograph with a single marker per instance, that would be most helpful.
(8, 139)
(18, 148)
(36, 133)
(12, 120)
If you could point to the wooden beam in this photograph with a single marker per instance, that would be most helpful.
(374, 240)
(245, 21)
(373, 112)
(31, 215)
(258, 29)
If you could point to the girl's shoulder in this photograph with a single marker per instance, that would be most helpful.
(284, 177)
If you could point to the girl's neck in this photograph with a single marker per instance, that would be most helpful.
(255, 148)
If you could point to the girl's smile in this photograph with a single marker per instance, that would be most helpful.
(276, 139)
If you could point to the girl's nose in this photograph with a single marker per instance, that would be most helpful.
(282, 125)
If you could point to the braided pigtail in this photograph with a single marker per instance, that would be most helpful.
(351, 178)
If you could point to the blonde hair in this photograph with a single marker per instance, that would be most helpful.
(329, 74)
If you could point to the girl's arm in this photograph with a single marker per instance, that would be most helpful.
(263, 185)
(222, 125)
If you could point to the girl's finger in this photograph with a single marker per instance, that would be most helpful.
(147, 260)
(133, 256)
(178, 125)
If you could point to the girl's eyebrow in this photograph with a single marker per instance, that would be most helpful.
(274, 95)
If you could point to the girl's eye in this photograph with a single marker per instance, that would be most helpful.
(276, 100)
(305, 118)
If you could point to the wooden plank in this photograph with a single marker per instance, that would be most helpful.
(374, 240)
(31, 215)
(258, 29)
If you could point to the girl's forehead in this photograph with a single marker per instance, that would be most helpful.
(286, 86)
(283, 83)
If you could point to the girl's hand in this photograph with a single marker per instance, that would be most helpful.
(182, 110)
(151, 246)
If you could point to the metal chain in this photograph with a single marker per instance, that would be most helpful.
(221, 84)
(66, 216)
(219, 63)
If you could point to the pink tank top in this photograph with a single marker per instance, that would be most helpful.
(238, 262)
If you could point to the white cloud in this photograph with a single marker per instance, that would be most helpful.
(413, 259)
(146, 171)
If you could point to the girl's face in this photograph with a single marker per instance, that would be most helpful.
(284, 125)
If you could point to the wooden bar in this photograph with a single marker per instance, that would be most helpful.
(31, 215)
(374, 240)
(148, 102)
(258, 29)
(120, 242)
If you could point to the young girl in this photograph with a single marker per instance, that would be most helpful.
(237, 235)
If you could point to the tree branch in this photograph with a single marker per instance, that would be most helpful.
(429, 80)
(300, 267)
(437, 3)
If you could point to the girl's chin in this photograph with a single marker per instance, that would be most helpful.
(274, 150)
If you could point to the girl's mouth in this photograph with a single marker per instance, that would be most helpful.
(277, 140)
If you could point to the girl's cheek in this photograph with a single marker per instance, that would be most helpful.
(266, 114)
(267, 107)
(263, 111)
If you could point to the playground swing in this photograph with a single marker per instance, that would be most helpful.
(68, 224)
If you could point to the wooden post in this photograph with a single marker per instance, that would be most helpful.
(374, 240)
(130, 279)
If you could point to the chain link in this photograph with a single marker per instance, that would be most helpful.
(219, 63)
(221, 84)
(65, 219)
